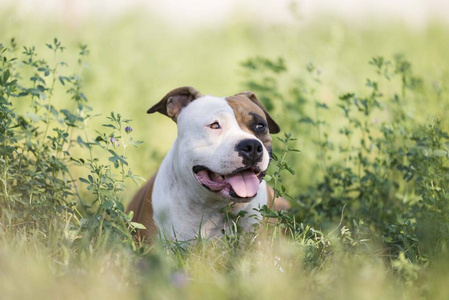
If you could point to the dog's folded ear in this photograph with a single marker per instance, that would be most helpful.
(273, 127)
(172, 104)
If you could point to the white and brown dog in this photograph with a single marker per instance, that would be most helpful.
(219, 157)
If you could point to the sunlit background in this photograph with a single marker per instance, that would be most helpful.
(198, 13)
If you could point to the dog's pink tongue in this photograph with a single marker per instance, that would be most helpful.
(244, 184)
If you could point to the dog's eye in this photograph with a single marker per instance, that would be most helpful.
(215, 125)
(260, 126)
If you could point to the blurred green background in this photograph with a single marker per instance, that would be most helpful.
(138, 53)
(140, 50)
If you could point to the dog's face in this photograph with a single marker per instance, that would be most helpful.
(224, 144)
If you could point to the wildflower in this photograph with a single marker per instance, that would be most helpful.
(128, 129)
(114, 141)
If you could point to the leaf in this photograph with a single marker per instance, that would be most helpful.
(136, 178)
(137, 225)
(84, 180)
(62, 79)
(107, 204)
(6, 76)
(120, 206)
(82, 96)
(321, 105)
(109, 125)
(307, 120)
(82, 143)
(113, 153)
(290, 170)
(346, 97)
(131, 142)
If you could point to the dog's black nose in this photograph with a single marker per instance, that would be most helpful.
(250, 150)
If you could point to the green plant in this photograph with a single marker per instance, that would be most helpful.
(42, 144)
(384, 178)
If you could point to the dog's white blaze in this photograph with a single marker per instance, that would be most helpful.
(181, 206)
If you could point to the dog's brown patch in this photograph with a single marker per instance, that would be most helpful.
(248, 115)
(142, 207)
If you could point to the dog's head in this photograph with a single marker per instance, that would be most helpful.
(224, 143)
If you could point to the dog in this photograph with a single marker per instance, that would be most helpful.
(219, 157)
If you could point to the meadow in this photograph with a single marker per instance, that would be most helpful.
(363, 157)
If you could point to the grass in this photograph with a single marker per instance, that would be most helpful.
(368, 189)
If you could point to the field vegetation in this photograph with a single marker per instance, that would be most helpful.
(363, 158)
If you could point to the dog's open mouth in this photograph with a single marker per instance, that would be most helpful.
(244, 183)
